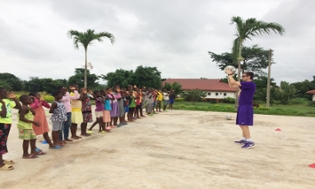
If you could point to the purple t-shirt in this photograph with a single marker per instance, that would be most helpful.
(247, 93)
(99, 104)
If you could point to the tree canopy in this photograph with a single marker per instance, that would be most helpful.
(78, 78)
(246, 29)
(10, 82)
(255, 59)
(175, 86)
(142, 77)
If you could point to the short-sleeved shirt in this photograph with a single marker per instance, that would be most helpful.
(107, 105)
(75, 103)
(247, 93)
(9, 104)
(159, 96)
(24, 125)
(99, 104)
(165, 95)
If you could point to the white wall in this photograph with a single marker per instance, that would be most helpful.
(218, 94)
(313, 97)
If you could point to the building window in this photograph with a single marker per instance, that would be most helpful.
(216, 94)
(224, 94)
(209, 94)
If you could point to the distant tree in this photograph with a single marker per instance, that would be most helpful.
(85, 39)
(142, 77)
(34, 84)
(147, 77)
(194, 95)
(285, 92)
(43, 84)
(304, 86)
(120, 77)
(261, 89)
(11, 82)
(175, 86)
(78, 78)
(5, 85)
(255, 59)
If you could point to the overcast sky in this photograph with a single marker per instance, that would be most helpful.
(172, 35)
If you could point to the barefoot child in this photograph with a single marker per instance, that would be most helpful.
(26, 132)
(7, 102)
(58, 117)
(40, 117)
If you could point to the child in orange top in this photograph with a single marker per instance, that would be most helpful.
(40, 117)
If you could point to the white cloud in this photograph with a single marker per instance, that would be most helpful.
(172, 35)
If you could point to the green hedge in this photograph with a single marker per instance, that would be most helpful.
(230, 108)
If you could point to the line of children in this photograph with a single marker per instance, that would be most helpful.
(70, 109)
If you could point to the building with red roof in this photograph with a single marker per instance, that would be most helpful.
(311, 92)
(214, 88)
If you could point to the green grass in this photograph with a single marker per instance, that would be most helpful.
(308, 110)
(289, 110)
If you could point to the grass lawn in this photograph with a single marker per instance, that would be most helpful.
(291, 110)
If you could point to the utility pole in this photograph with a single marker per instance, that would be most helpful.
(268, 79)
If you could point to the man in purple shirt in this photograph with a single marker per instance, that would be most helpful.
(245, 112)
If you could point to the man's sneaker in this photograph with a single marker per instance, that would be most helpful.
(240, 141)
(249, 145)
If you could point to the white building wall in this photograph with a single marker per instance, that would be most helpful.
(219, 95)
(313, 97)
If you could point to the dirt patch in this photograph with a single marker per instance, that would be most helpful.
(174, 149)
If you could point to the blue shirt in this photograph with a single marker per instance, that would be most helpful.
(107, 105)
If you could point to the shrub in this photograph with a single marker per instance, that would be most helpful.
(229, 100)
(179, 99)
(312, 103)
(299, 101)
(48, 98)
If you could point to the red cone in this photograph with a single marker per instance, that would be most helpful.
(278, 129)
(312, 165)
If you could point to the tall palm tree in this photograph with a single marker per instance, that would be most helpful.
(248, 29)
(85, 39)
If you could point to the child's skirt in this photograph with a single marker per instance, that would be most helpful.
(114, 112)
(106, 116)
(87, 116)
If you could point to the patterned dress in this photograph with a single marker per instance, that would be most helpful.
(87, 110)
(59, 113)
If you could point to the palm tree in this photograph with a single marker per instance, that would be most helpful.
(85, 39)
(248, 29)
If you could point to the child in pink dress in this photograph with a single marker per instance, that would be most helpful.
(40, 117)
